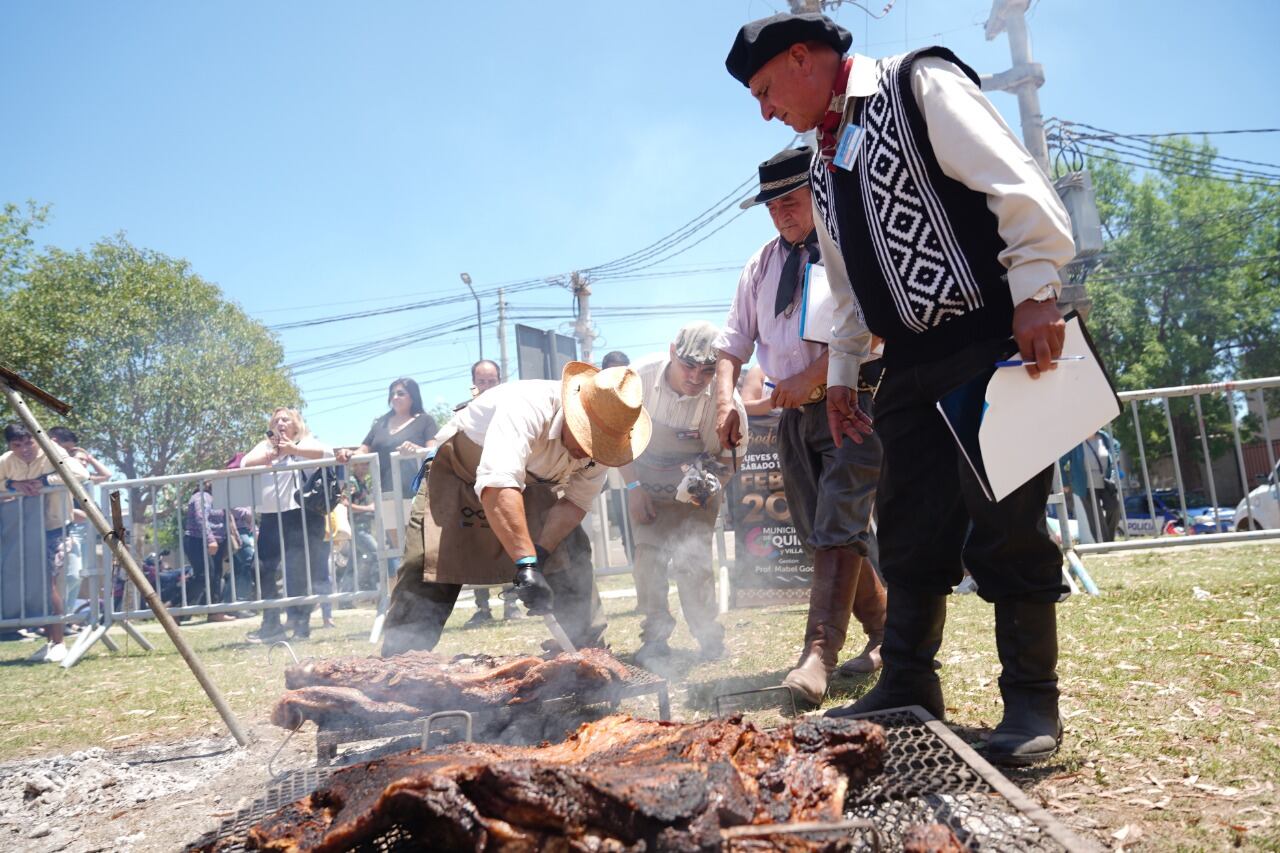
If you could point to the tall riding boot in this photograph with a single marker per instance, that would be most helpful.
(1027, 640)
(835, 577)
(912, 637)
(869, 603)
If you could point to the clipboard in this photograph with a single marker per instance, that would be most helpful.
(817, 308)
(1010, 427)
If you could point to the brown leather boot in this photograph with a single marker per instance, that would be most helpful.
(835, 578)
(869, 605)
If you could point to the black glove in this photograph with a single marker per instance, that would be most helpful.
(531, 587)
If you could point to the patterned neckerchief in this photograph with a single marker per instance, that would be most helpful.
(827, 140)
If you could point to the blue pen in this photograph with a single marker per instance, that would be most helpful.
(769, 384)
(1019, 363)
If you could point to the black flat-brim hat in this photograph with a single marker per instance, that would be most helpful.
(783, 173)
(762, 40)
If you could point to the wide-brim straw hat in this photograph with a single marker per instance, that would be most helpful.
(604, 409)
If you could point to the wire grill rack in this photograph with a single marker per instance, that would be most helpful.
(527, 723)
(930, 776)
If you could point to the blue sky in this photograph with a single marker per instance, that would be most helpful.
(319, 158)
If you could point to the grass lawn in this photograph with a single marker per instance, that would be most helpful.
(1171, 690)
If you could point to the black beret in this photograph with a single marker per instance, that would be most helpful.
(762, 40)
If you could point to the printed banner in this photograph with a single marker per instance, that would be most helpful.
(770, 565)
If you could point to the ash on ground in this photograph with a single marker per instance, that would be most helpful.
(152, 798)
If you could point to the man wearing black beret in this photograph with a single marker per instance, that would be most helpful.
(942, 236)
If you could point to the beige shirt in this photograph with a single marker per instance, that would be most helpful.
(57, 505)
(672, 409)
(976, 147)
(519, 426)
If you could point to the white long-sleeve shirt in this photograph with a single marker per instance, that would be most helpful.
(974, 146)
(519, 427)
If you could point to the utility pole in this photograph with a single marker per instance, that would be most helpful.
(502, 334)
(582, 327)
(1023, 79)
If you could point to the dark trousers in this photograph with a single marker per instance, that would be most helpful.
(929, 497)
(830, 490)
(202, 588)
(280, 543)
(1104, 513)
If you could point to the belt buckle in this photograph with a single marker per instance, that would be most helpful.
(818, 394)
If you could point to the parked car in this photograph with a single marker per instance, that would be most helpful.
(1262, 510)
(1138, 521)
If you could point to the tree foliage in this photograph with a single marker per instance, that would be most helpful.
(17, 246)
(164, 374)
(1189, 288)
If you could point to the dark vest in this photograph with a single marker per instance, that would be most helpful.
(920, 248)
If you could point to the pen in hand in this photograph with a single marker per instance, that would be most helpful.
(1020, 363)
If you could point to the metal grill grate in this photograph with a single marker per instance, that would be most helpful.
(930, 776)
(528, 723)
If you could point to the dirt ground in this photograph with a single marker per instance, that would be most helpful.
(153, 798)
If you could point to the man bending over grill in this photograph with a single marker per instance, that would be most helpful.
(513, 475)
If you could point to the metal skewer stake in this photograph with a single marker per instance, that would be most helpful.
(119, 550)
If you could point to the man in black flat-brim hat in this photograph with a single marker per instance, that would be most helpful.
(942, 236)
(830, 490)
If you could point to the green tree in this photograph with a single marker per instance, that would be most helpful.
(16, 244)
(1189, 288)
(164, 375)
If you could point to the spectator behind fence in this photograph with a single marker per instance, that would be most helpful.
(284, 533)
(616, 358)
(204, 542)
(1091, 473)
(242, 543)
(485, 374)
(406, 427)
(73, 565)
(30, 562)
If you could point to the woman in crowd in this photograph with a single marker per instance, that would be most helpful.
(406, 428)
(204, 542)
(285, 532)
(98, 473)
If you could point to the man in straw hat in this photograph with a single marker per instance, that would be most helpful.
(673, 494)
(513, 475)
(943, 237)
(830, 490)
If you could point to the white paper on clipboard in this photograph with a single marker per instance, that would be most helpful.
(1028, 424)
(817, 308)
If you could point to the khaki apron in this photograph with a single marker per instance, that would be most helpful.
(660, 470)
(448, 528)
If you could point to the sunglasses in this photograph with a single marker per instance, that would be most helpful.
(700, 369)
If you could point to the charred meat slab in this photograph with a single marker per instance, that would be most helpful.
(616, 784)
(347, 692)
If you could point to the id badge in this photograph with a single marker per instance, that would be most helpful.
(689, 434)
(847, 148)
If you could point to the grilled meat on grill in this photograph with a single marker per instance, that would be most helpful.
(615, 784)
(931, 838)
(407, 686)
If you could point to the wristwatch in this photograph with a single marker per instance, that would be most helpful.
(1044, 294)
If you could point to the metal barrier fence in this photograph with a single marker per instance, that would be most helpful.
(318, 560)
(36, 559)
(311, 557)
(1171, 517)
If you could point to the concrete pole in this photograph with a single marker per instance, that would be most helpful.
(582, 328)
(1024, 78)
(502, 335)
(131, 567)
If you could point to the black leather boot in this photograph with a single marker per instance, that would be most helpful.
(1027, 640)
(912, 637)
